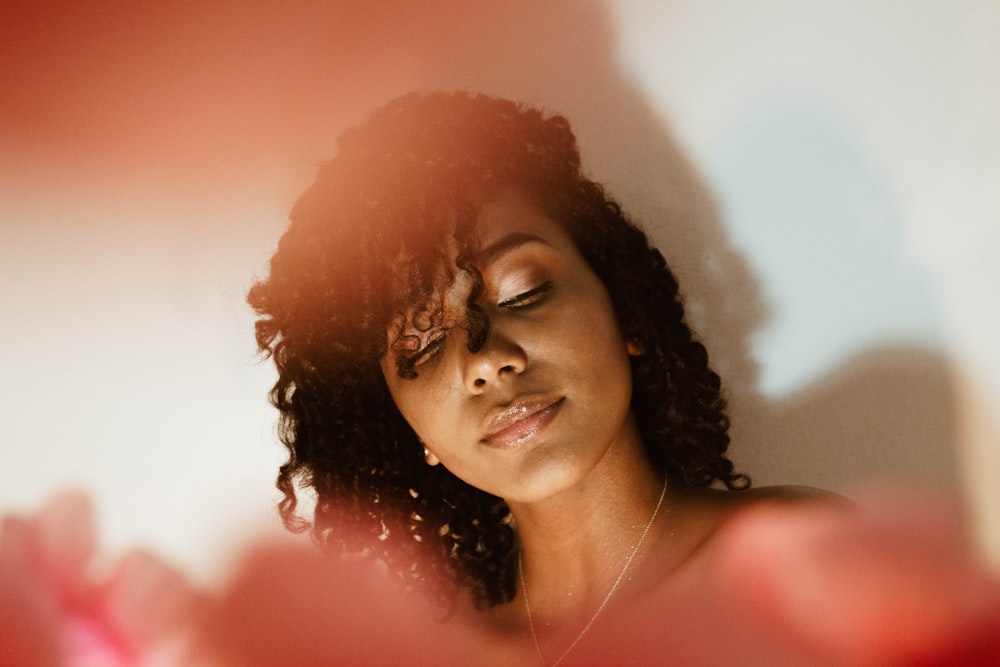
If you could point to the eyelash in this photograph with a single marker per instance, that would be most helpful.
(427, 352)
(522, 300)
(528, 298)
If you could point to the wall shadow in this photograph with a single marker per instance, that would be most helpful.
(885, 415)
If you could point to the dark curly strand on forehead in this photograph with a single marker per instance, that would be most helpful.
(372, 238)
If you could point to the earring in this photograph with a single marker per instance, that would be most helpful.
(430, 458)
(634, 348)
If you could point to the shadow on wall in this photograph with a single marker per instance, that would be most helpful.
(886, 414)
(205, 90)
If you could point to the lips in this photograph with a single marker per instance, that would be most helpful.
(513, 424)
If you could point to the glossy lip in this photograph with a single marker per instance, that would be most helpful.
(519, 421)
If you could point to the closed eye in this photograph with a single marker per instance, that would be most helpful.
(427, 352)
(528, 298)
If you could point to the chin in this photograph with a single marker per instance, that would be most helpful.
(545, 481)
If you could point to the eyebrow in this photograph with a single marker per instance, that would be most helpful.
(497, 249)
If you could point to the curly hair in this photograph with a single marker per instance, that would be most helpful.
(375, 236)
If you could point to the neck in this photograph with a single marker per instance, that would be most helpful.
(576, 543)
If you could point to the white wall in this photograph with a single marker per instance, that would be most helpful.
(822, 175)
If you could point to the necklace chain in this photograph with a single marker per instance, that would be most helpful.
(600, 608)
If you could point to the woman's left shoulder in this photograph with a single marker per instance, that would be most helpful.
(721, 503)
(709, 511)
(785, 494)
(702, 515)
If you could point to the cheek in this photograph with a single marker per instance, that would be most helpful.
(408, 405)
(594, 326)
(596, 344)
(401, 394)
(423, 405)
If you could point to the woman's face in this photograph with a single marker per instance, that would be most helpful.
(546, 397)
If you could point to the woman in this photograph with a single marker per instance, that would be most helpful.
(486, 378)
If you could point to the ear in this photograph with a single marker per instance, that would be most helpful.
(634, 348)
(430, 457)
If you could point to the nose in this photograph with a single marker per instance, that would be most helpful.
(499, 359)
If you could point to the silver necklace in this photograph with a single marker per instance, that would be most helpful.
(600, 608)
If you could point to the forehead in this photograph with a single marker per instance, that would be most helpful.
(512, 219)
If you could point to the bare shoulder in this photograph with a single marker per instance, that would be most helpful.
(783, 495)
(703, 514)
(704, 510)
(720, 501)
